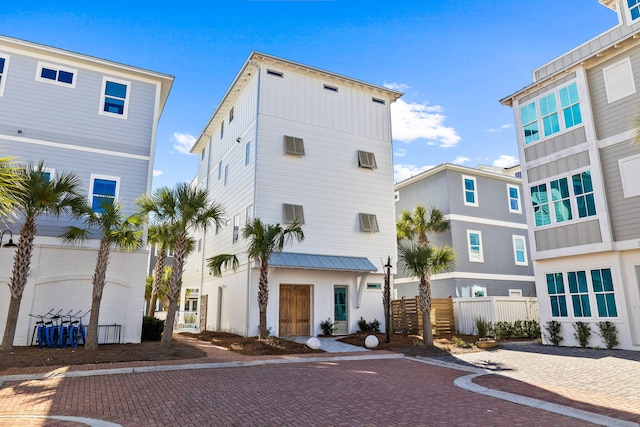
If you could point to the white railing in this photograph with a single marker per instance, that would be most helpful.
(493, 309)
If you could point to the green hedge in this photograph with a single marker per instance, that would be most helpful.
(152, 329)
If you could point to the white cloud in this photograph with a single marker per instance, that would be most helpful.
(399, 152)
(501, 128)
(421, 121)
(460, 160)
(396, 86)
(183, 142)
(505, 161)
(402, 172)
(157, 172)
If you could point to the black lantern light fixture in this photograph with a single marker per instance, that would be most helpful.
(10, 243)
(386, 299)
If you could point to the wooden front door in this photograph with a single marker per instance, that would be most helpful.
(295, 310)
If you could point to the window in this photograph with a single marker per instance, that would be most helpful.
(520, 250)
(568, 197)
(369, 223)
(474, 240)
(552, 121)
(634, 9)
(378, 101)
(469, 188)
(374, 286)
(102, 189)
(529, 123)
(330, 88)
(202, 155)
(540, 202)
(221, 129)
(249, 214)
(618, 80)
(561, 201)
(247, 153)
(275, 73)
(292, 213)
(226, 174)
(55, 74)
(579, 293)
(515, 293)
(219, 170)
(115, 97)
(513, 192)
(557, 297)
(549, 113)
(478, 291)
(293, 146)
(47, 174)
(4, 65)
(583, 189)
(230, 115)
(236, 228)
(396, 196)
(366, 160)
(603, 289)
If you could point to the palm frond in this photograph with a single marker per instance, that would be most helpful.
(222, 261)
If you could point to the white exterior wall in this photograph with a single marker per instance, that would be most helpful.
(60, 279)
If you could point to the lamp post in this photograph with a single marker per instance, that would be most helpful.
(386, 299)
(10, 243)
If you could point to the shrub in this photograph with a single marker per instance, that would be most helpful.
(503, 330)
(532, 329)
(609, 334)
(152, 329)
(582, 333)
(327, 327)
(483, 327)
(367, 327)
(553, 332)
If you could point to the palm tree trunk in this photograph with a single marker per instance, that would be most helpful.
(18, 281)
(175, 284)
(152, 304)
(157, 280)
(99, 278)
(425, 307)
(263, 298)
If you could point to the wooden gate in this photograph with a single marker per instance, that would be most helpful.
(406, 315)
(295, 310)
(204, 301)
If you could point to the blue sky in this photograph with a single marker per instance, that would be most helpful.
(453, 59)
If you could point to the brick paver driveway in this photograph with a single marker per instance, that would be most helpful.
(382, 392)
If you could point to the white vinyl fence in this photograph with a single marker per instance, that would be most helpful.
(493, 309)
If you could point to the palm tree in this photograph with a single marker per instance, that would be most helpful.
(423, 261)
(164, 238)
(10, 186)
(162, 290)
(41, 194)
(115, 231)
(265, 240)
(420, 222)
(185, 209)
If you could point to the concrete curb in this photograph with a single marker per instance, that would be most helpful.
(81, 420)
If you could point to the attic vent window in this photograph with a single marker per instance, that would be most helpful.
(368, 223)
(292, 213)
(275, 73)
(378, 101)
(293, 145)
(331, 88)
(366, 160)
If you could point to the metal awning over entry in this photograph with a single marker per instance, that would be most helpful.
(321, 262)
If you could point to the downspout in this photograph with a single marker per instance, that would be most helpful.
(255, 190)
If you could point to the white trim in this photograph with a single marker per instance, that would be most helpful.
(95, 176)
(630, 174)
(3, 76)
(515, 293)
(473, 257)
(514, 238)
(623, 76)
(486, 221)
(56, 68)
(73, 147)
(468, 275)
(475, 191)
(517, 188)
(127, 98)
(616, 139)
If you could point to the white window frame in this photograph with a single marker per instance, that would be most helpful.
(3, 75)
(473, 257)
(247, 153)
(367, 160)
(291, 213)
(620, 72)
(226, 175)
(92, 179)
(630, 174)
(236, 228)
(374, 287)
(515, 293)
(125, 110)
(57, 69)
(475, 191)
(368, 223)
(476, 288)
(249, 214)
(396, 196)
(630, 20)
(523, 239)
(517, 188)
